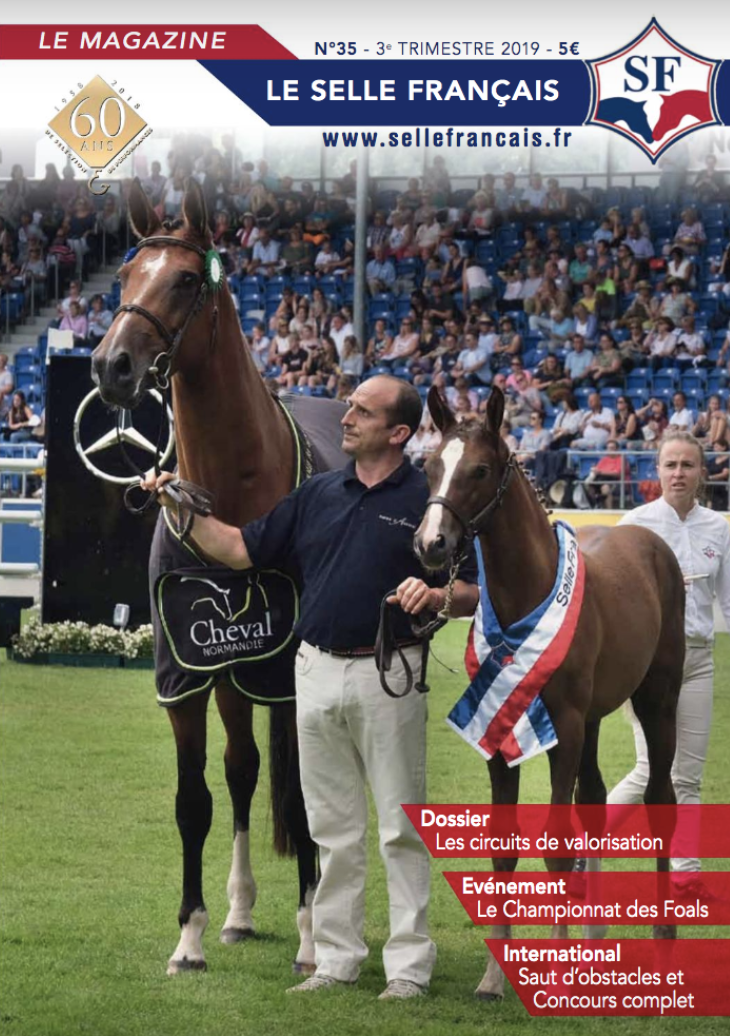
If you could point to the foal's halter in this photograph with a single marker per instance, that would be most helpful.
(186, 495)
(471, 527)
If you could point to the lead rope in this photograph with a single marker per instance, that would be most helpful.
(385, 643)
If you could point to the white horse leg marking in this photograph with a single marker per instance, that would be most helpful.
(434, 515)
(304, 963)
(189, 953)
(241, 891)
(594, 931)
(491, 986)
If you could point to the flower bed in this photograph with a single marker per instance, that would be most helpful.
(78, 644)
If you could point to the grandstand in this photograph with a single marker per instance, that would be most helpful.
(439, 256)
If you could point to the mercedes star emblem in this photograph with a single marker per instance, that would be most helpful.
(128, 434)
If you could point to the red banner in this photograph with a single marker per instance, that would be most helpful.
(137, 42)
(609, 978)
(458, 830)
(611, 897)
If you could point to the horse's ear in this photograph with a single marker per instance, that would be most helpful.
(194, 208)
(440, 411)
(495, 411)
(142, 216)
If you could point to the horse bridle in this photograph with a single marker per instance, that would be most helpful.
(186, 495)
(471, 527)
(162, 363)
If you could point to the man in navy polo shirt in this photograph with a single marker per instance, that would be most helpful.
(350, 533)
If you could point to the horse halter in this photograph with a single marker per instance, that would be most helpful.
(473, 526)
(162, 363)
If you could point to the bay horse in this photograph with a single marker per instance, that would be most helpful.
(629, 638)
(234, 440)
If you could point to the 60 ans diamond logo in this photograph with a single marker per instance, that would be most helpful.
(97, 125)
(653, 91)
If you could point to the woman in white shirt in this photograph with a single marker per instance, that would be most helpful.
(700, 539)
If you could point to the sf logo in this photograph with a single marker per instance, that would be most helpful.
(638, 79)
(653, 91)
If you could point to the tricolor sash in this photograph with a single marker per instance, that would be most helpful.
(501, 710)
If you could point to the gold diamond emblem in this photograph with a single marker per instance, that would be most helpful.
(97, 124)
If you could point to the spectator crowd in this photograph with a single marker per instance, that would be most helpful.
(601, 313)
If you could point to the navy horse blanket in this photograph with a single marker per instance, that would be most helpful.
(210, 621)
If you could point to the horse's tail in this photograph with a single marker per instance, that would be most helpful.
(284, 775)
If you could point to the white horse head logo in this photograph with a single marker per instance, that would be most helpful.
(221, 601)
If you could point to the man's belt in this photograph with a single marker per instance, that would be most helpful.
(365, 652)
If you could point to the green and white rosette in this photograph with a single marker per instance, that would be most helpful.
(213, 270)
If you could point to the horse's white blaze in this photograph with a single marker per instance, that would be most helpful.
(153, 266)
(190, 947)
(434, 515)
(154, 263)
(305, 953)
(241, 886)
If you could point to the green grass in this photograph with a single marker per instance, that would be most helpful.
(90, 876)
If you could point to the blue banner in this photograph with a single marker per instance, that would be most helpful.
(405, 93)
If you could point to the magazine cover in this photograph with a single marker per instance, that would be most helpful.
(364, 539)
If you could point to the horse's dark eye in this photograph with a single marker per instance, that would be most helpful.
(188, 279)
(481, 471)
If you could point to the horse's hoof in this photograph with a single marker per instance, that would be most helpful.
(488, 998)
(303, 967)
(177, 967)
(229, 936)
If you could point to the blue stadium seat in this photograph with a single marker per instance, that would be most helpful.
(646, 467)
(583, 463)
(666, 378)
(711, 213)
(639, 397)
(709, 303)
(408, 267)
(486, 251)
(694, 379)
(35, 393)
(610, 395)
(639, 378)
(254, 278)
(303, 285)
(695, 399)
